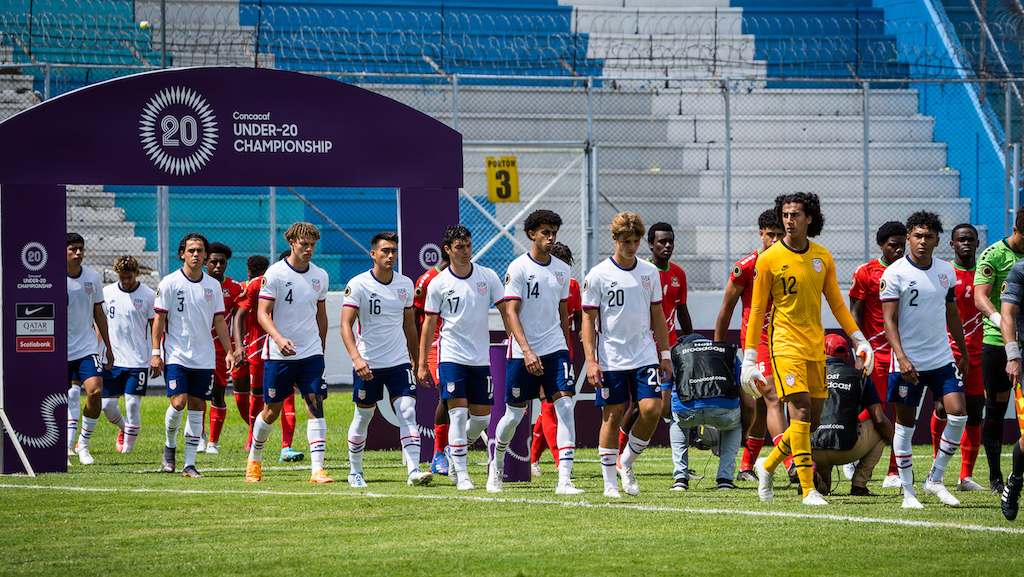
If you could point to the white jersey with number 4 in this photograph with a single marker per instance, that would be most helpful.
(128, 315)
(463, 304)
(923, 294)
(381, 306)
(296, 295)
(190, 306)
(624, 298)
(85, 291)
(540, 288)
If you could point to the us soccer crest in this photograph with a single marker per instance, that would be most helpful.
(450, 387)
(559, 277)
(605, 391)
(208, 293)
(944, 281)
(362, 394)
(172, 384)
(401, 295)
(646, 281)
(88, 288)
(790, 380)
(481, 287)
(316, 284)
(272, 393)
(903, 391)
(816, 263)
(515, 392)
(137, 303)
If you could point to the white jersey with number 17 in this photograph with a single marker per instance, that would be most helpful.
(463, 304)
(296, 295)
(624, 298)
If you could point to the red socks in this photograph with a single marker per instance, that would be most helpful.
(217, 416)
(288, 421)
(440, 438)
(969, 446)
(751, 452)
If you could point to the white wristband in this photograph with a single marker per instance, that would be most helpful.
(666, 355)
(995, 318)
(1012, 351)
(157, 352)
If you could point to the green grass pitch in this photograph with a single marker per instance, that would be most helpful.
(121, 517)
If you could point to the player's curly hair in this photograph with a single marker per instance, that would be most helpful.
(385, 235)
(455, 232)
(126, 263)
(966, 225)
(75, 238)
(662, 226)
(221, 248)
(891, 228)
(628, 224)
(301, 229)
(768, 220)
(811, 206)
(562, 253)
(193, 236)
(257, 265)
(539, 217)
(925, 219)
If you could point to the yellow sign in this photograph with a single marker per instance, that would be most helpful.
(502, 179)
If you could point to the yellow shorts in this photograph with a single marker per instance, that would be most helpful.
(799, 376)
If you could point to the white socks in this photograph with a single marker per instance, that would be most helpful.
(405, 410)
(504, 432)
(193, 430)
(477, 425)
(357, 437)
(74, 411)
(634, 447)
(260, 434)
(948, 445)
(172, 420)
(457, 442)
(904, 452)
(88, 426)
(316, 434)
(113, 412)
(566, 437)
(608, 458)
(132, 421)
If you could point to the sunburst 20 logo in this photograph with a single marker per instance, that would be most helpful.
(178, 130)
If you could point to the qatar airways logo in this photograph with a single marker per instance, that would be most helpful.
(178, 130)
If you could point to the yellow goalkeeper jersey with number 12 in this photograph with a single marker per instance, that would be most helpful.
(795, 281)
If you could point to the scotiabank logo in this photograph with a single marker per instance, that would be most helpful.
(35, 345)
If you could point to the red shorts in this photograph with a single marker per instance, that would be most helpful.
(764, 360)
(432, 362)
(256, 373)
(880, 375)
(973, 383)
(240, 371)
(220, 374)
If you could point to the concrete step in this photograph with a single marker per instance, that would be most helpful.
(678, 73)
(645, 20)
(97, 246)
(88, 214)
(800, 128)
(192, 13)
(89, 196)
(848, 211)
(20, 97)
(17, 82)
(664, 50)
(710, 240)
(149, 278)
(646, 3)
(105, 229)
(783, 102)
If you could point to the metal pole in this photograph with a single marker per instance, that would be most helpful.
(163, 33)
(1016, 179)
(163, 229)
(595, 212)
(590, 109)
(866, 171)
(728, 175)
(1008, 226)
(584, 216)
(46, 81)
(272, 217)
(455, 102)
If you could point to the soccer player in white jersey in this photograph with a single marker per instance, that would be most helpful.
(461, 296)
(293, 311)
(129, 308)
(85, 309)
(383, 355)
(918, 304)
(536, 295)
(621, 307)
(188, 303)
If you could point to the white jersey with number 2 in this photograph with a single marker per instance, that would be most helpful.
(624, 298)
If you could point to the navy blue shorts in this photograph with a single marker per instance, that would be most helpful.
(120, 380)
(635, 384)
(558, 375)
(84, 368)
(464, 382)
(942, 381)
(197, 383)
(306, 375)
(400, 381)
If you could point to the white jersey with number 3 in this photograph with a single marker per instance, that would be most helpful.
(190, 306)
(463, 303)
(624, 298)
(296, 295)
(923, 294)
(539, 288)
(128, 315)
(85, 291)
(381, 306)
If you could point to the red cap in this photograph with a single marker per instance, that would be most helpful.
(835, 345)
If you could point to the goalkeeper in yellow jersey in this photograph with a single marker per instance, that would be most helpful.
(793, 274)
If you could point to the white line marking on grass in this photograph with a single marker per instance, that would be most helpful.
(583, 504)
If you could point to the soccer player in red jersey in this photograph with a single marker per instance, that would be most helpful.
(439, 464)
(661, 240)
(866, 309)
(216, 265)
(248, 350)
(965, 247)
(545, 428)
(764, 413)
